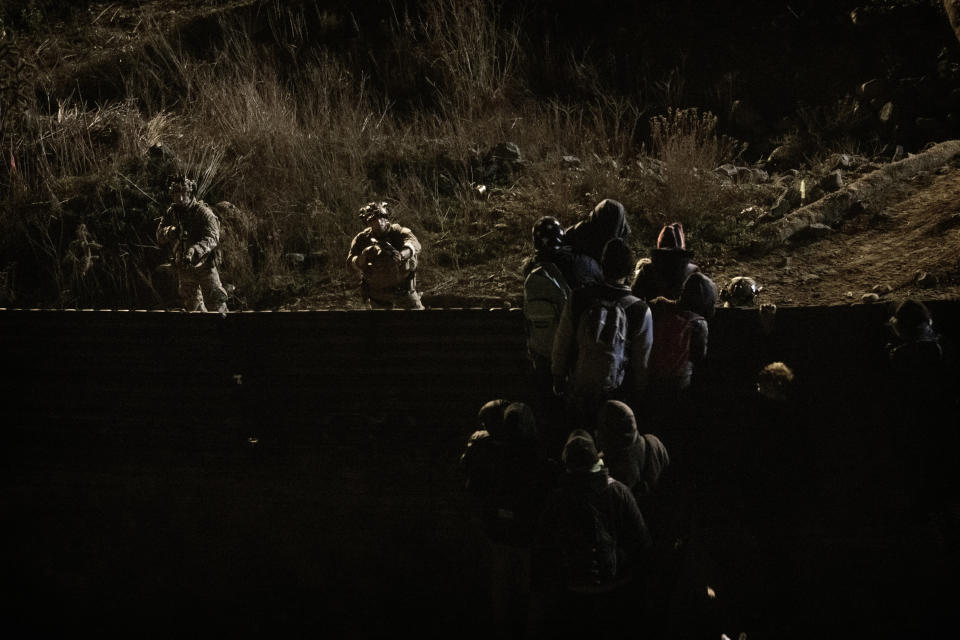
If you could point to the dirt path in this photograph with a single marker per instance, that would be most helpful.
(918, 229)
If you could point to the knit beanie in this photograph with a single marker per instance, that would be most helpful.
(671, 237)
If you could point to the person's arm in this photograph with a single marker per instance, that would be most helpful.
(359, 243)
(698, 339)
(208, 236)
(410, 245)
(641, 344)
(167, 230)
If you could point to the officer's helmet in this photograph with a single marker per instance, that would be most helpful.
(547, 234)
(182, 183)
(372, 209)
(742, 291)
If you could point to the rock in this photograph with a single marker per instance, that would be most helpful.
(888, 113)
(874, 89)
(831, 182)
(570, 162)
(869, 298)
(784, 157)
(881, 289)
(809, 192)
(924, 279)
(788, 201)
(728, 171)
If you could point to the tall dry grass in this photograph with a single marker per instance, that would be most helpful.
(297, 138)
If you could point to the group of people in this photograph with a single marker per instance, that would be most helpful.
(577, 504)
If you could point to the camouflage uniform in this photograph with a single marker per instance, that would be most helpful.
(192, 233)
(385, 282)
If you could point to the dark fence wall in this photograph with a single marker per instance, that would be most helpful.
(298, 471)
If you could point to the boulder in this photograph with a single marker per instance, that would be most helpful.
(952, 8)
(875, 89)
(866, 191)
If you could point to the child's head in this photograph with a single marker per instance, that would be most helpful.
(775, 382)
(699, 295)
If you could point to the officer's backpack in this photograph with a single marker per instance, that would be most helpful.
(588, 550)
(602, 346)
(545, 291)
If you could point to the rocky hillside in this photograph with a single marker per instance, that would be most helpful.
(805, 144)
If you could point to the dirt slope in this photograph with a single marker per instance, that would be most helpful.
(918, 229)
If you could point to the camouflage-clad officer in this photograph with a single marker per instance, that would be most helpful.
(191, 232)
(385, 255)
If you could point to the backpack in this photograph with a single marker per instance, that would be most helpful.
(588, 551)
(545, 292)
(602, 346)
(671, 345)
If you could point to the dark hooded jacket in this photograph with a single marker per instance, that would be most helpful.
(667, 268)
(617, 508)
(607, 220)
(578, 269)
(507, 474)
(635, 459)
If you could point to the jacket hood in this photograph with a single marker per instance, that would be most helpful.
(490, 417)
(518, 422)
(699, 295)
(607, 220)
(616, 426)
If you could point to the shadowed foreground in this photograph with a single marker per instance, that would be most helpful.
(297, 473)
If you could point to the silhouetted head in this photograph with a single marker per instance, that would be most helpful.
(775, 382)
(490, 416)
(911, 320)
(519, 422)
(672, 237)
(616, 426)
(580, 452)
(617, 260)
(699, 295)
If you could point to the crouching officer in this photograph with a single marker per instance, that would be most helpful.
(191, 232)
(385, 255)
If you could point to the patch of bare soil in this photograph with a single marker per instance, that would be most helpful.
(911, 246)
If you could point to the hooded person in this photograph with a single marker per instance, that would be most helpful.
(592, 363)
(916, 347)
(508, 478)
(635, 459)
(608, 220)
(667, 268)
(591, 544)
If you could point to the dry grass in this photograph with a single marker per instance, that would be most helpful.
(298, 138)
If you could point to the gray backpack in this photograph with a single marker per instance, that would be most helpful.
(545, 291)
(602, 346)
